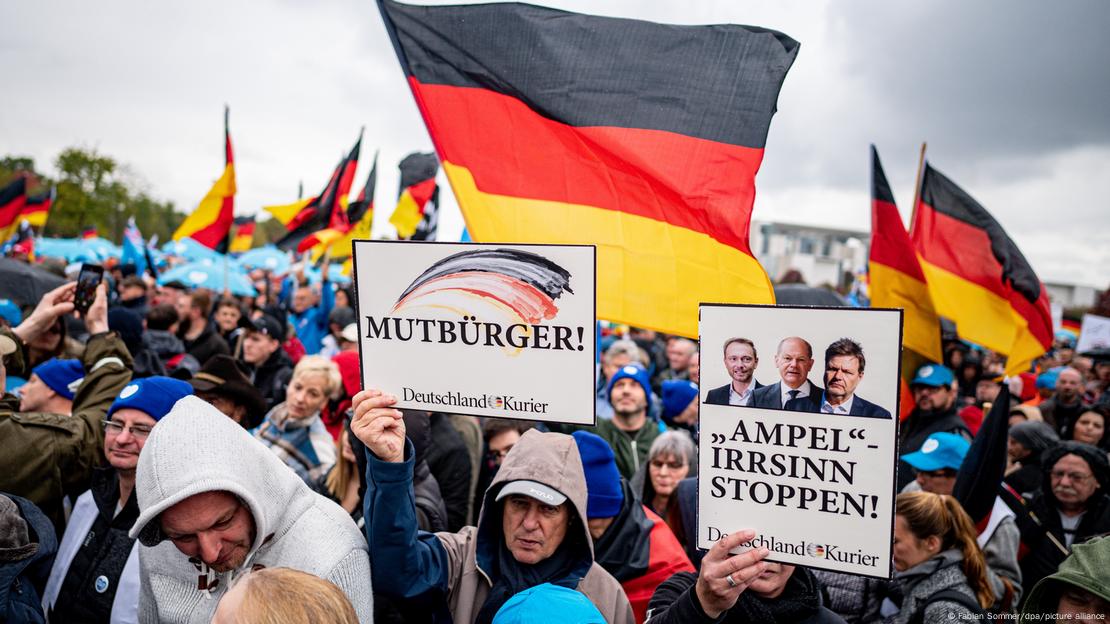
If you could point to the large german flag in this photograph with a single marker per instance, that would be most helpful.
(418, 193)
(328, 210)
(641, 138)
(978, 277)
(13, 199)
(897, 280)
(210, 223)
(243, 237)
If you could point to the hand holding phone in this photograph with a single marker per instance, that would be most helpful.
(87, 281)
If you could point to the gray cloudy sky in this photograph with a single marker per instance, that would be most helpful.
(1010, 95)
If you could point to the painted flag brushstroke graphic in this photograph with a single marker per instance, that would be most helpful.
(498, 285)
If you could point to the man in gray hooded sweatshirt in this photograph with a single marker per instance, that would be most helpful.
(214, 503)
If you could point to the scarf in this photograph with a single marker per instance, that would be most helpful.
(800, 599)
(514, 577)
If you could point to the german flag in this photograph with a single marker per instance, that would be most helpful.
(978, 277)
(37, 207)
(13, 199)
(418, 190)
(210, 223)
(897, 280)
(641, 138)
(243, 237)
(327, 210)
(360, 214)
(89, 232)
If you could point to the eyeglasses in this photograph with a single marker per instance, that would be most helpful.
(674, 465)
(1076, 477)
(114, 428)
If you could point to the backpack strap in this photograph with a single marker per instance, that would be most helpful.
(949, 595)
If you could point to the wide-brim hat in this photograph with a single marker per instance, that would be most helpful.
(223, 375)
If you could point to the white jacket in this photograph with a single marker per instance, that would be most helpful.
(196, 449)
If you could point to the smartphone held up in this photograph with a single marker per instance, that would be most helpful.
(87, 281)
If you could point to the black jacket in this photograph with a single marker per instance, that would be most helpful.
(771, 397)
(719, 396)
(676, 602)
(207, 344)
(103, 552)
(624, 550)
(272, 377)
(449, 462)
(920, 425)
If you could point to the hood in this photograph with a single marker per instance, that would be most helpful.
(163, 343)
(624, 550)
(548, 458)
(195, 449)
(1085, 568)
(1094, 457)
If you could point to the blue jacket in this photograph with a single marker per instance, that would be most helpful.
(312, 324)
(22, 581)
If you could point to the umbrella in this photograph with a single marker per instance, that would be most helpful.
(191, 250)
(74, 250)
(24, 283)
(210, 276)
(335, 275)
(800, 294)
(269, 257)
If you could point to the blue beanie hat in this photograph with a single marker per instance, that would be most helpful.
(636, 372)
(544, 602)
(677, 394)
(603, 481)
(61, 376)
(154, 396)
(11, 312)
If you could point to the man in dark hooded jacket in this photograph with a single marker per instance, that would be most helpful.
(1071, 506)
(530, 529)
(27, 548)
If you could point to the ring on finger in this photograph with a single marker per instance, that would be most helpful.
(731, 581)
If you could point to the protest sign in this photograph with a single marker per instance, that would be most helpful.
(818, 488)
(487, 330)
(1094, 333)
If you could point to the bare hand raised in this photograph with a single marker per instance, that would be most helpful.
(378, 425)
(52, 305)
(724, 577)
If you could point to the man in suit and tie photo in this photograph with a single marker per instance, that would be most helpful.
(740, 362)
(844, 364)
(795, 392)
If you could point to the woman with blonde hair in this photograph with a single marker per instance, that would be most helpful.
(284, 596)
(293, 429)
(941, 570)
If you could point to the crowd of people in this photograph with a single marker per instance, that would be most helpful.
(178, 455)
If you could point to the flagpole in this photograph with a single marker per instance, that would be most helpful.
(917, 189)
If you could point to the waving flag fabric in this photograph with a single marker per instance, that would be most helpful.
(897, 280)
(243, 237)
(325, 211)
(210, 223)
(360, 214)
(133, 247)
(13, 198)
(978, 277)
(37, 208)
(641, 138)
(417, 197)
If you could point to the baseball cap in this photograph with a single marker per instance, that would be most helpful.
(543, 493)
(269, 326)
(933, 375)
(350, 333)
(940, 450)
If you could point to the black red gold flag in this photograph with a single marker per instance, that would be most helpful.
(641, 138)
(13, 198)
(242, 238)
(210, 223)
(328, 210)
(416, 214)
(895, 275)
(977, 275)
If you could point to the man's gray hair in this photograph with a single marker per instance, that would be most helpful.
(673, 443)
(629, 348)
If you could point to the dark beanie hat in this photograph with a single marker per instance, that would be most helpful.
(1034, 435)
(603, 480)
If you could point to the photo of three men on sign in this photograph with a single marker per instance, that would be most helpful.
(844, 367)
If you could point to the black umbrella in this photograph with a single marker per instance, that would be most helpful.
(800, 294)
(26, 284)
